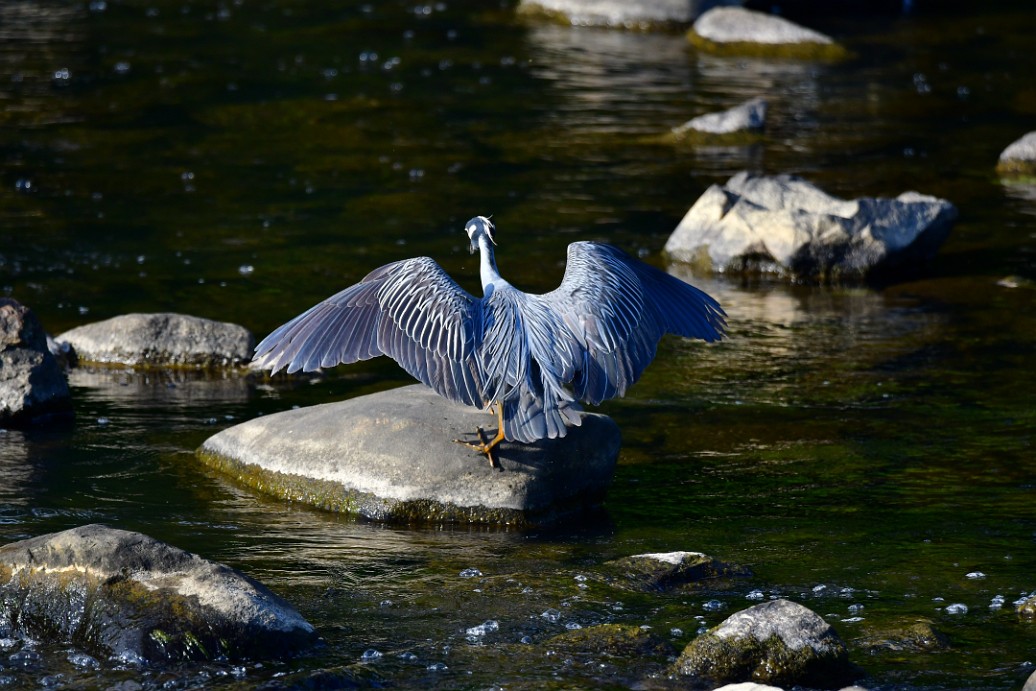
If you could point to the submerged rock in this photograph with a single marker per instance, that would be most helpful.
(909, 636)
(629, 14)
(1020, 157)
(161, 340)
(742, 31)
(785, 225)
(613, 640)
(32, 384)
(778, 642)
(391, 456)
(125, 595)
(669, 570)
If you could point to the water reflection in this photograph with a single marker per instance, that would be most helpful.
(16, 474)
(161, 387)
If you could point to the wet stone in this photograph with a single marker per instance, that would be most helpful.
(32, 385)
(786, 226)
(126, 596)
(778, 642)
(669, 570)
(161, 340)
(391, 456)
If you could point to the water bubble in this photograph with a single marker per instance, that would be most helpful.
(852, 620)
(62, 75)
(437, 667)
(527, 640)
(552, 615)
(98, 5)
(957, 608)
(470, 573)
(102, 421)
(572, 626)
(385, 603)
(713, 606)
(997, 602)
(246, 269)
(675, 632)
(416, 174)
(817, 589)
(921, 83)
(408, 657)
(975, 575)
(122, 67)
(755, 595)
(23, 185)
(855, 609)
(370, 655)
(580, 577)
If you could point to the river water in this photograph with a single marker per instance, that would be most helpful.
(865, 451)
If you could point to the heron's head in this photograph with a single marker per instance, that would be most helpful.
(476, 228)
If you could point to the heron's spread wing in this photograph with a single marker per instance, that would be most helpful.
(617, 308)
(410, 310)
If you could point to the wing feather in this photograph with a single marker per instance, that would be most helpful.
(410, 310)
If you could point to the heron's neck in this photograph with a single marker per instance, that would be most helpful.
(487, 264)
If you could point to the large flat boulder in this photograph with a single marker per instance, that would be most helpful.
(391, 456)
(127, 596)
(785, 225)
(32, 383)
(161, 340)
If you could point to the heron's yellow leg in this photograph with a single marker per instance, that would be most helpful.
(487, 447)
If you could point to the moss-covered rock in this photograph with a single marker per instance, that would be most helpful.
(614, 640)
(913, 636)
(121, 594)
(669, 570)
(1019, 159)
(778, 642)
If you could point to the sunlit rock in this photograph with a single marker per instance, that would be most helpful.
(163, 339)
(669, 570)
(785, 225)
(391, 456)
(630, 14)
(32, 385)
(1020, 157)
(124, 595)
(743, 31)
(778, 642)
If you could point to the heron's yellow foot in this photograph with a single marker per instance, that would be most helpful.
(485, 446)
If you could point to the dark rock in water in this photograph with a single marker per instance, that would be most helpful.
(1019, 158)
(161, 340)
(737, 30)
(785, 225)
(391, 456)
(127, 596)
(32, 385)
(778, 642)
(628, 14)
(669, 570)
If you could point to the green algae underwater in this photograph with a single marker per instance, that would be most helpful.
(866, 451)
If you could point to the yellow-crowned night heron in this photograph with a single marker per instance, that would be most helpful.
(534, 357)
